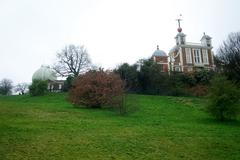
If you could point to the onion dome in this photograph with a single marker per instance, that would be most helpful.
(159, 53)
(44, 73)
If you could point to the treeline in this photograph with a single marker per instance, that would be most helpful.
(147, 78)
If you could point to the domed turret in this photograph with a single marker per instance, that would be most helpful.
(44, 73)
(159, 53)
(160, 57)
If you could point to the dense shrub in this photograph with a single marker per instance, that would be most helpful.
(198, 90)
(97, 89)
(194, 83)
(228, 57)
(188, 79)
(38, 88)
(129, 74)
(176, 84)
(152, 79)
(223, 99)
(201, 77)
(147, 77)
(68, 83)
(6, 86)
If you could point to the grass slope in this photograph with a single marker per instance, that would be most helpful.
(49, 127)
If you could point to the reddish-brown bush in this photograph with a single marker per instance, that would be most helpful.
(97, 89)
(198, 90)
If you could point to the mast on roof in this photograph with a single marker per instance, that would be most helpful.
(179, 23)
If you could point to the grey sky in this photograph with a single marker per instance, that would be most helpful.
(113, 31)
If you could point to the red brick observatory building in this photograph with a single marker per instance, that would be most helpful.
(161, 58)
(186, 56)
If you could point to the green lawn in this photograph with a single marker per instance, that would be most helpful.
(49, 127)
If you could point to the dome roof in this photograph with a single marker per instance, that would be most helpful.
(44, 73)
(159, 52)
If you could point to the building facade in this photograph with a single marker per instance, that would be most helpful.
(45, 73)
(187, 56)
(161, 58)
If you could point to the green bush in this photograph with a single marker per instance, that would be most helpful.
(198, 90)
(38, 88)
(68, 83)
(223, 99)
(6, 86)
(147, 77)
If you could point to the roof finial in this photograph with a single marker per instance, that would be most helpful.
(157, 47)
(204, 33)
(179, 24)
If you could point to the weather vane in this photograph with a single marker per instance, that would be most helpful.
(179, 24)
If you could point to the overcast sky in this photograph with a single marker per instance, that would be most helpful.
(113, 31)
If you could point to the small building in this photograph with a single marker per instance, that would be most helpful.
(188, 56)
(45, 73)
(161, 58)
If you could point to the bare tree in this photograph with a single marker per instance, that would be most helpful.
(6, 86)
(229, 56)
(21, 88)
(72, 60)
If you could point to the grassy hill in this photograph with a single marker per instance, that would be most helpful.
(49, 127)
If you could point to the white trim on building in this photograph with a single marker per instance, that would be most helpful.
(197, 56)
(205, 56)
(188, 55)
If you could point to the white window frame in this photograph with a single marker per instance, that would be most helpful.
(60, 86)
(205, 56)
(197, 56)
(188, 55)
(161, 66)
(179, 40)
(154, 58)
(208, 43)
(177, 69)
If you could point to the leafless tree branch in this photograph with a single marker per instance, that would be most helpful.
(229, 55)
(72, 60)
(21, 88)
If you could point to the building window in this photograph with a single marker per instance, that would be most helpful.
(197, 56)
(205, 56)
(154, 59)
(188, 55)
(182, 40)
(161, 67)
(179, 39)
(208, 43)
(177, 69)
(60, 86)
